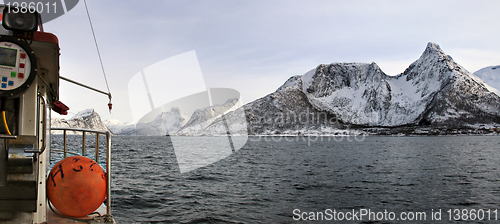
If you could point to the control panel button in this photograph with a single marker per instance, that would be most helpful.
(21, 75)
(13, 74)
(4, 79)
(11, 83)
(4, 85)
(22, 55)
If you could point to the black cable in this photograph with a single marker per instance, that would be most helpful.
(2, 105)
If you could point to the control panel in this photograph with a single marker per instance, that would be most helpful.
(17, 66)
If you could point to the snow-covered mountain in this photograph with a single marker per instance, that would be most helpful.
(434, 91)
(165, 123)
(203, 118)
(491, 76)
(348, 98)
(119, 128)
(87, 119)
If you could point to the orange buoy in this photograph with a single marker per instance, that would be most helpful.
(76, 186)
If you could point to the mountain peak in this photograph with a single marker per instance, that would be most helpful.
(432, 63)
(83, 113)
(434, 51)
(360, 93)
(166, 122)
(86, 119)
(432, 45)
(433, 92)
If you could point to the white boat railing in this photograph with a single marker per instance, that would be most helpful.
(108, 154)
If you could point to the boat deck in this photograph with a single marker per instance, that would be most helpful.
(57, 217)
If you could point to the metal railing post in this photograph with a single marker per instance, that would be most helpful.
(64, 137)
(108, 156)
(83, 143)
(97, 147)
(108, 170)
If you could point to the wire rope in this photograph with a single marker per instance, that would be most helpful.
(97, 47)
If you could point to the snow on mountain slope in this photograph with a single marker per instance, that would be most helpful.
(362, 94)
(462, 98)
(165, 123)
(83, 113)
(356, 92)
(433, 91)
(287, 111)
(351, 98)
(86, 119)
(203, 118)
(119, 128)
(491, 76)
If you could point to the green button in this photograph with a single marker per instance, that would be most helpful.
(12, 74)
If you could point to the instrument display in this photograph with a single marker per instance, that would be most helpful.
(16, 66)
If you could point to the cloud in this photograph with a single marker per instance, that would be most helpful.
(262, 43)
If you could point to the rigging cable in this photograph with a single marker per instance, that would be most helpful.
(99, 54)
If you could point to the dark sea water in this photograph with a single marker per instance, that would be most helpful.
(277, 180)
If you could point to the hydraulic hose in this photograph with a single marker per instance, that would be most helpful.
(5, 123)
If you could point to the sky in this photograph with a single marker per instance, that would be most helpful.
(254, 46)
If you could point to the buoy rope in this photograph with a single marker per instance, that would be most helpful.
(98, 52)
(99, 218)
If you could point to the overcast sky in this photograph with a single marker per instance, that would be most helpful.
(255, 46)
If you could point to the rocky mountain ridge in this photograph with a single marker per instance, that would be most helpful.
(434, 92)
(433, 95)
(165, 123)
(202, 118)
(86, 119)
(119, 128)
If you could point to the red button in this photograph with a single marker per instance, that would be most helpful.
(21, 75)
(21, 65)
(23, 55)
